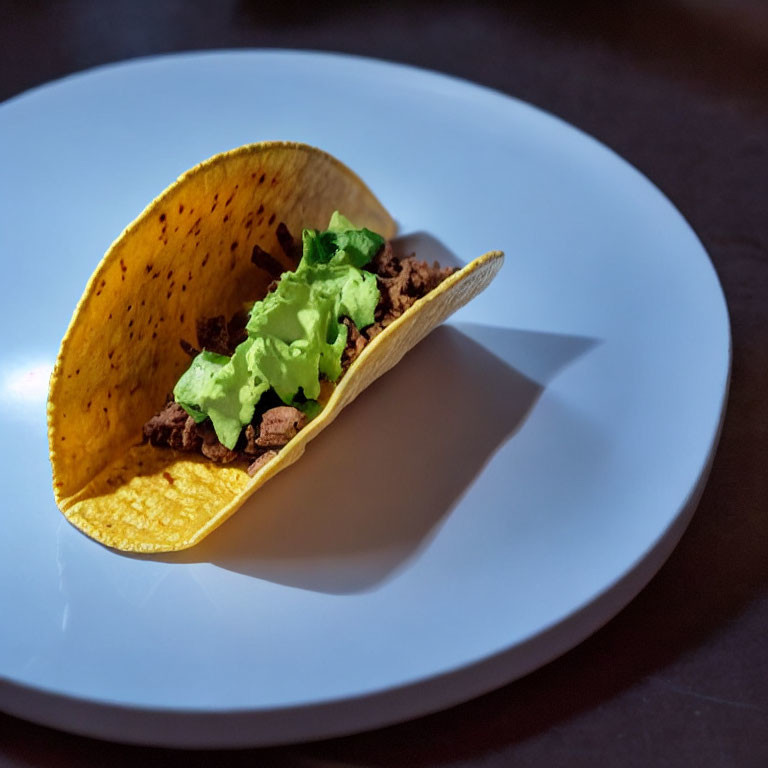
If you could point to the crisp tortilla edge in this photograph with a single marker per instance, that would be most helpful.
(370, 364)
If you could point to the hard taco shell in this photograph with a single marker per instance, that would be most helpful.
(187, 256)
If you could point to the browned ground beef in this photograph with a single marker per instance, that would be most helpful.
(269, 431)
(402, 282)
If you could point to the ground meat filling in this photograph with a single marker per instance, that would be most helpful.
(258, 463)
(172, 427)
(266, 434)
(279, 426)
(355, 344)
(218, 335)
(402, 282)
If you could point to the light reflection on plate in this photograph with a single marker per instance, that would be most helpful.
(24, 387)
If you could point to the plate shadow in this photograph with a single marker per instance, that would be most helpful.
(371, 491)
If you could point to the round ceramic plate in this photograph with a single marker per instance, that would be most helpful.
(503, 492)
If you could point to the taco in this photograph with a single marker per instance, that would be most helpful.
(261, 340)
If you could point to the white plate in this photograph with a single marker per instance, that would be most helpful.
(483, 508)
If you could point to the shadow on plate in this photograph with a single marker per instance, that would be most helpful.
(372, 490)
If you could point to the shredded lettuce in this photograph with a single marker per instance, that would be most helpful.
(295, 333)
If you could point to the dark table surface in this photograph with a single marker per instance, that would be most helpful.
(680, 89)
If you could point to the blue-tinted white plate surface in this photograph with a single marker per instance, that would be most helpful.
(481, 509)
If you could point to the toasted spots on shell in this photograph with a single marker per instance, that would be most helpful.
(133, 495)
(110, 407)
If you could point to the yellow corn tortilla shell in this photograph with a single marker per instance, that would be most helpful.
(187, 255)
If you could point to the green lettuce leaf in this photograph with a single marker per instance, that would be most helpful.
(195, 380)
(295, 334)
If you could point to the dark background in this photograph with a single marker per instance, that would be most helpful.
(680, 89)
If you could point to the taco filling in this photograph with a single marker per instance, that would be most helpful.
(257, 378)
(282, 334)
